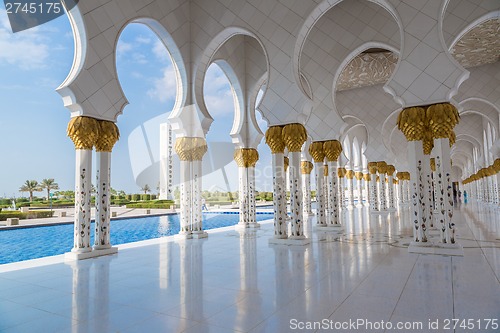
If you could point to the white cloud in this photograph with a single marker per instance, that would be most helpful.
(217, 91)
(143, 40)
(164, 88)
(160, 51)
(27, 49)
(122, 48)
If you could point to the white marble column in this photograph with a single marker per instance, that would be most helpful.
(246, 158)
(341, 173)
(373, 187)
(294, 137)
(426, 193)
(333, 206)
(390, 192)
(382, 169)
(318, 154)
(332, 149)
(350, 188)
(306, 169)
(102, 218)
(415, 158)
(296, 196)
(366, 188)
(185, 198)
(359, 187)
(443, 168)
(279, 197)
(191, 151)
(83, 185)
(84, 132)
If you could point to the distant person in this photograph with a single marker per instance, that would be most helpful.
(465, 196)
(459, 196)
(204, 204)
(454, 196)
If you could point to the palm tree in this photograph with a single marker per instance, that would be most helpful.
(30, 186)
(146, 189)
(48, 185)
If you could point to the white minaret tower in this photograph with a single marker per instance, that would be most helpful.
(166, 172)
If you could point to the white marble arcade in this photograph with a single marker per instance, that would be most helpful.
(234, 282)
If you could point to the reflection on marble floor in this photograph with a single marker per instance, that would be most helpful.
(237, 282)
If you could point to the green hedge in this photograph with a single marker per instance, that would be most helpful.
(159, 204)
(22, 216)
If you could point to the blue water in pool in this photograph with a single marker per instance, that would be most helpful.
(44, 241)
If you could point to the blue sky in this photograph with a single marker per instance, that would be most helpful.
(33, 119)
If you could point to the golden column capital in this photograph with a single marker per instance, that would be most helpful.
(452, 138)
(286, 162)
(274, 139)
(378, 179)
(366, 177)
(317, 152)
(109, 134)
(332, 149)
(294, 136)
(372, 167)
(412, 121)
(382, 167)
(349, 174)
(442, 119)
(433, 164)
(306, 167)
(325, 170)
(358, 175)
(342, 172)
(190, 149)
(427, 141)
(390, 169)
(246, 157)
(84, 132)
(496, 165)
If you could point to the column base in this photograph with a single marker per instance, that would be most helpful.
(184, 235)
(330, 227)
(245, 226)
(72, 256)
(436, 248)
(290, 241)
(199, 234)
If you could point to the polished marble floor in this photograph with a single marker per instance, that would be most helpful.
(234, 282)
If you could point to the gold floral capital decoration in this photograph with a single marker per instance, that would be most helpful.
(366, 177)
(84, 132)
(442, 119)
(411, 121)
(306, 167)
(372, 167)
(349, 174)
(390, 169)
(342, 172)
(190, 149)
(427, 142)
(274, 139)
(358, 175)
(332, 149)
(317, 152)
(294, 136)
(382, 167)
(246, 157)
(109, 134)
